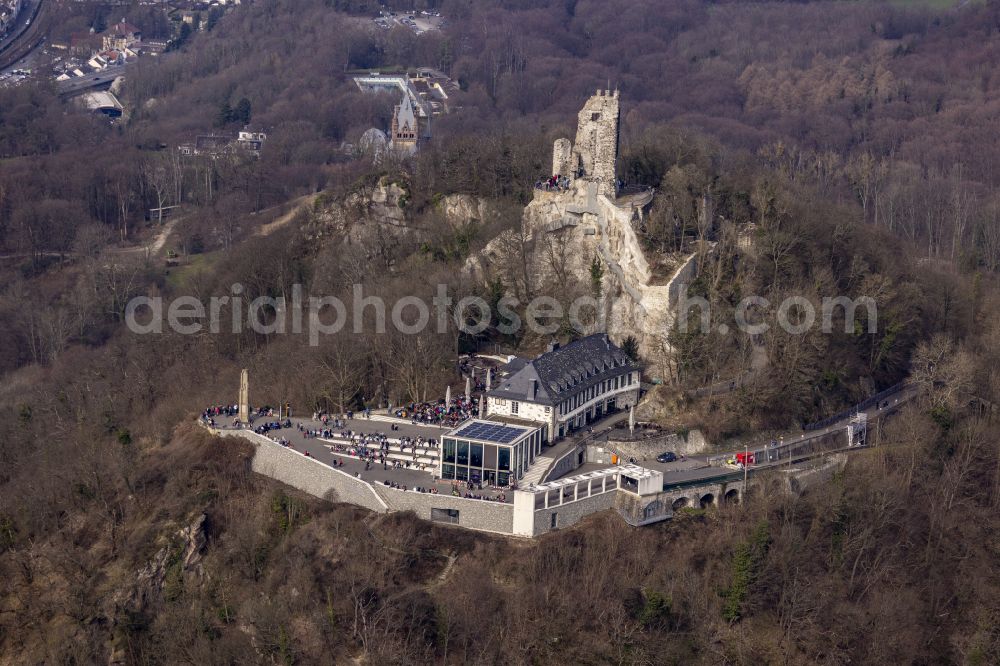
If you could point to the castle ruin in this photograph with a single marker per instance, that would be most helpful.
(595, 154)
(586, 219)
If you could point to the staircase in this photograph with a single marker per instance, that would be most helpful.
(537, 470)
(420, 455)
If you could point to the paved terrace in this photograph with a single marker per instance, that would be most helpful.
(683, 471)
(320, 450)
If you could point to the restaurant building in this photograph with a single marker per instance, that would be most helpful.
(489, 452)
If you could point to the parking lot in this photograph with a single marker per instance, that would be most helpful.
(418, 22)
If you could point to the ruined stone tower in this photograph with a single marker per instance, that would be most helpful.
(594, 155)
(571, 228)
(562, 154)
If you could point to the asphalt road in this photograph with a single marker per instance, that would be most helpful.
(29, 8)
(12, 51)
(81, 84)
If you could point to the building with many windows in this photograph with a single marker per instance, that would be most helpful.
(567, 387)
(493, 453)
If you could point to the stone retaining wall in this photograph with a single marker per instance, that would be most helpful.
(649, 448)
(320, 480)
(473, 514)
(312, 476)
(797, 481)
(571, 513)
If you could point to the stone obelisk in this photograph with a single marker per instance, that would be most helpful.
(244, 396)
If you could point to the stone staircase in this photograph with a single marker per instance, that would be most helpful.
(537, 470)
(422, 455)
(382, 418)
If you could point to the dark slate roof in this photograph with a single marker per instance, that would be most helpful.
(565, 371)
(515, 364)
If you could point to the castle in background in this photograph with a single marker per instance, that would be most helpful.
(405, 132)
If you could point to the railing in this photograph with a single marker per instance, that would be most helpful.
(704, 481)
(860, 407)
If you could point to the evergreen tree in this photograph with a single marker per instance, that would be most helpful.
(243, 111)
(225, 115)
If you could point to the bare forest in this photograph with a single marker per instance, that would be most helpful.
(849, 146)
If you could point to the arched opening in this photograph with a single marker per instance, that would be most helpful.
(679, 503)
(732, 496)
(707, 500)
(652, 509)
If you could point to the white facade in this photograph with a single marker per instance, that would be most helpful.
(615, 393)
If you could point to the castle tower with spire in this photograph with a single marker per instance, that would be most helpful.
(405, 132)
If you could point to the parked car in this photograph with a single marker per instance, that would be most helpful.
(666, 457)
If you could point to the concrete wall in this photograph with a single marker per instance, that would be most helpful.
(520, 518)
(598, 453)
(649, 448)
(473, 514)
(311, 476)
(317, 479)
(571, 513)
(565, 464)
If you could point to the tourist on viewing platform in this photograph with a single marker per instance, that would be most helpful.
(439, 413)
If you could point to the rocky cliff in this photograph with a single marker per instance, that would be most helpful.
(384, 207)
(583, 225)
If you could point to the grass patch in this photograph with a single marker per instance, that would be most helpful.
(180, 275)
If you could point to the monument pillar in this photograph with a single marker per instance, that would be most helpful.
(244, 403)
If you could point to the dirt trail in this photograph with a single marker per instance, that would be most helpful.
(296, 206)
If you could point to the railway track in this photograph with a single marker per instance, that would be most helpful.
(29, 39)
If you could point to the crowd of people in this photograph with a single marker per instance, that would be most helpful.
(558, 182)
(372, 448)
(209, 415)
(470, 491)
(440, 412)
(265, 428)
(418, 489)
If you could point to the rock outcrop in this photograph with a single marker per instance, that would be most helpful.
(354, 217)
(180, 558)
(586, 220)
(383, 208)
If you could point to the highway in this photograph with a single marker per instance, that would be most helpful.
(25, 37)
(81, 84)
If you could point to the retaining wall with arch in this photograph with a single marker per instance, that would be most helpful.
(648, 509)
